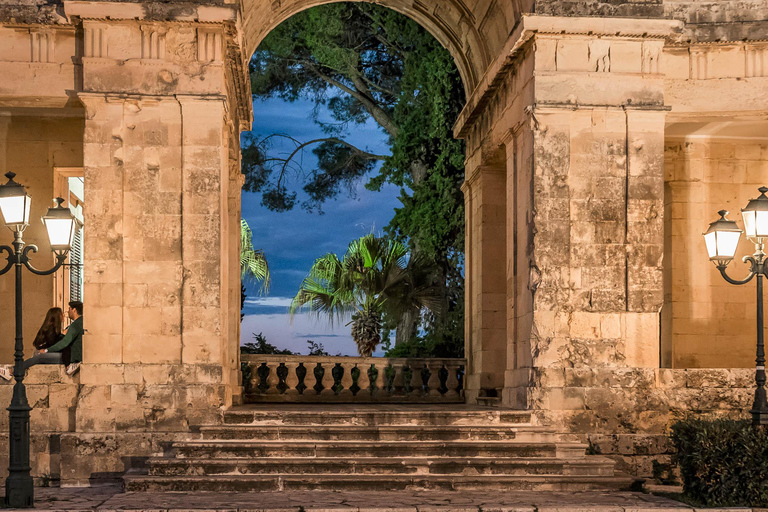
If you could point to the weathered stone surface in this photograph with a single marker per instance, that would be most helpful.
(600, 138)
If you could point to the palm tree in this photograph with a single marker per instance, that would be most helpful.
(253, 262)
(374, 276)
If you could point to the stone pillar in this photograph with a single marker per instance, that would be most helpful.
(485, 332)
(521, 273)
(585, 204)
(598, 199)
(161, 200)
(153, 176)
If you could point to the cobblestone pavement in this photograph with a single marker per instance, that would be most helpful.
(112, 498)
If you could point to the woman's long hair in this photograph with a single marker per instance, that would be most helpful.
(50, 331)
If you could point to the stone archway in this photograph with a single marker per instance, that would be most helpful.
(473, 31)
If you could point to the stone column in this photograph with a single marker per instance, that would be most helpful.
(586, 208)
(598, 200)
(154, 355)
(485, 332)
(521, 273)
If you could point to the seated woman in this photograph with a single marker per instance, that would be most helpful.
(50, 332)
(54, 347)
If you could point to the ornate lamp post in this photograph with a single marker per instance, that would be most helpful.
(721, 238)
(61, 226)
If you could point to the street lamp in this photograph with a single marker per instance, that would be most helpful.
(721, 238)
(61, 226)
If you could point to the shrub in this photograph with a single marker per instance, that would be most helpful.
(723, 462)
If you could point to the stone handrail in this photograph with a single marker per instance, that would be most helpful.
(280, 378)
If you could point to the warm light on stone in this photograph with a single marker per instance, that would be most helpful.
(599, 141)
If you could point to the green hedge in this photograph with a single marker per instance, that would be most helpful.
(723, 462)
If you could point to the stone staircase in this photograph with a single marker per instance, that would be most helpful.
(375, 447)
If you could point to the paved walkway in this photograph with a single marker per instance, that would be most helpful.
(112, 498)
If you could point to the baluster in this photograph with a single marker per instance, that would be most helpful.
(252, 385)
(356, 376)
(346, 379)
(416, 383)
(328, 380)
(292, 380)
(282, 374)
(302, 378)
(272, 379)
(443, 373)
(337, 372)
(261, 381)
(373, 374)
(434, 379)
(382, 381)
(318, 374)
(396, 384)
(452, 382)
(406, 373)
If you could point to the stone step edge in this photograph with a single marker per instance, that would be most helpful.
(492, 412)
(213, 443)
(379, 461)
(385, 477)
(522, 427)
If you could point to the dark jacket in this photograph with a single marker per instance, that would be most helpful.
(46, 339)
(72, 340)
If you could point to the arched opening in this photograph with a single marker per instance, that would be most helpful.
(392, 127)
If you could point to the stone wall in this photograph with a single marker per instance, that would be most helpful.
(85, 432)
(707, 321)
(53, 396)
(626, 413)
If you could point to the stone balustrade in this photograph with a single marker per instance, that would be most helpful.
(281, 378)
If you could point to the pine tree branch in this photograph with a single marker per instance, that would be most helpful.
(301, 145)
(379, 114)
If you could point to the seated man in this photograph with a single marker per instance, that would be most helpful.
(68, 350)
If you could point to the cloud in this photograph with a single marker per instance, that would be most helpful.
(309, 336)
(270, 301)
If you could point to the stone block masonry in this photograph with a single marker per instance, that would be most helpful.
(626, 413)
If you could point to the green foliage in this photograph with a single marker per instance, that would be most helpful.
(723, 462)
(362, 61)
(427, 347)
(316, 349)
(663, 473)
(253, 262)
(262, 346)
(374, 277)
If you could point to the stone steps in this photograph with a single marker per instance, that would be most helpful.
(352, 449)
(379, 465)
(263, 483)
(271, 448)
(381, 433)
(375, 418)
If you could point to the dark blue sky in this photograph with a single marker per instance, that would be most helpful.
(293, 240)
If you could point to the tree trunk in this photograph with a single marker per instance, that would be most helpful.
(366, 332)
(406, 326)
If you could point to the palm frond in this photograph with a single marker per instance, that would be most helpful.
(373, 277)
(253, 262)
